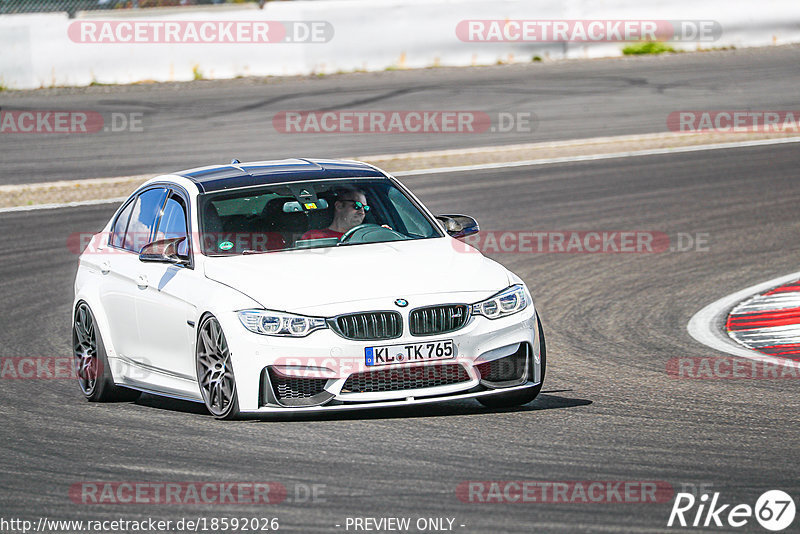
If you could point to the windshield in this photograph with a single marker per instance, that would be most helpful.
(310, 215)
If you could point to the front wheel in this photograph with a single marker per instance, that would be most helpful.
(518, 398)
(215, 371)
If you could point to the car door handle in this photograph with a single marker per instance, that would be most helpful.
(141, 281)
(105, 267)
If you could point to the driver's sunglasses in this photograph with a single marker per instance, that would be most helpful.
(358, 205)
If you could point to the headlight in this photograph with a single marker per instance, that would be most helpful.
(270, 323)
(511, 300)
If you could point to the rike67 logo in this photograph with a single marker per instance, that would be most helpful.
(774, 510)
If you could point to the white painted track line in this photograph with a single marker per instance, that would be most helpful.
(63, 205)
(595, 157)
(498, 165)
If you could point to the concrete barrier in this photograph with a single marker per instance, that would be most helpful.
(41, 50)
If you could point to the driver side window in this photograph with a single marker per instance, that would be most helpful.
(143, 218)
(173, 223)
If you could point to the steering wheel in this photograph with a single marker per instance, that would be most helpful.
(367, 229)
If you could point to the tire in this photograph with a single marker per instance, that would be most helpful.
(518, 398)
(215, 370)
(91, 362)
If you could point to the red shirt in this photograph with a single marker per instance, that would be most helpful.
(322, 234)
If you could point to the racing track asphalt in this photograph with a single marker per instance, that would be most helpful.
(189, 125)
(608, 411)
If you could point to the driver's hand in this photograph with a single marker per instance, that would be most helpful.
(386, 226)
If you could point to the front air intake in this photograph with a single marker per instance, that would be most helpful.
(506, 371)
(297, 391)
(403, 378)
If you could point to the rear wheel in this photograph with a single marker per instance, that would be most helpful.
(518, 398)
(91, 363)
(215, 371)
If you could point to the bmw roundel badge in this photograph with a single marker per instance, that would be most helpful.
(401, 302)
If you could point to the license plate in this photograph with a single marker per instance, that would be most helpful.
(409, 353)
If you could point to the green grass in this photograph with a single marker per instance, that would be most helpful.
(648, 47)
(196, 73)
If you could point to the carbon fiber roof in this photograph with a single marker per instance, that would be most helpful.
(221, 177)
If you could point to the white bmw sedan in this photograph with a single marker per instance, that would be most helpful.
(298, 286)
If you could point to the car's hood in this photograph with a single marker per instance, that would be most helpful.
(300, 280)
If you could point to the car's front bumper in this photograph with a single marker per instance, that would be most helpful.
(323, 354)
(410, 401)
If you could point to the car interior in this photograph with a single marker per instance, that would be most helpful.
(271, 229)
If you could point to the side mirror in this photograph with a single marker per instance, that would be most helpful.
(163, 251)
(459, 225)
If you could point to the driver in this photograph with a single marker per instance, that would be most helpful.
(349, 211)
